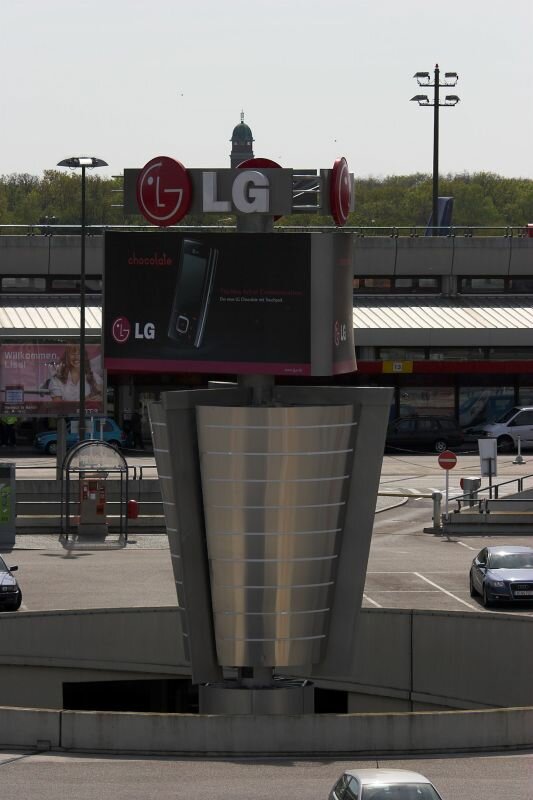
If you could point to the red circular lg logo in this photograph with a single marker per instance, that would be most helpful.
(164, 191)
(121, 330)
(340, 193)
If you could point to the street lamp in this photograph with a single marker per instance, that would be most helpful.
(424, 79)
(85, 162)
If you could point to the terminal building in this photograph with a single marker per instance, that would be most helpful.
(446, 321)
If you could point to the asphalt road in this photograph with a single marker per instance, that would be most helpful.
(92, 777)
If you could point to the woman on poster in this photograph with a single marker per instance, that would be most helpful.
(65, 384)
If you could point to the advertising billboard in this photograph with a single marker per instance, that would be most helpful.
(225, 303)
(44, 379)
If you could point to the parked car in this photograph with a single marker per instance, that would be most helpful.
(383, 784)
(433, 433)
(46, 442)
(503, 574)
(516, 422)
(10, 594)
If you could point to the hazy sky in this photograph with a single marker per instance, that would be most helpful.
(127, 80)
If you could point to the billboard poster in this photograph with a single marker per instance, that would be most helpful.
(278, 304)
(44, 379)
(207, 303)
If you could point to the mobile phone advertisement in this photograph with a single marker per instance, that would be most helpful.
(222, 303)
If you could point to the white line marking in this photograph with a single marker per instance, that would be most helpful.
(469, 605)
(369, 600)
(466, 545)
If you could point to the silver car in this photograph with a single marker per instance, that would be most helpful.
(383, 784)
(503, 573)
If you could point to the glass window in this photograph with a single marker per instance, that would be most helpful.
(73, 284)
(522, 285)
(403, 283)
(427, 425)
(400, 791)
(340, 786)
(458, 354)
(525, 418)
(481, 285)
(511, 353)
(405, 426)
(481, 404)
(511, 560)
(23, 284)
(372, 284)
(432, 400)
(352, 790)
(401, 354)
(3, 567)
(525, 395)
(429, 283)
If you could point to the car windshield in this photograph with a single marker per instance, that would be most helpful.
(400, 791)
(508, 414)
(3, 567)
(511, 561)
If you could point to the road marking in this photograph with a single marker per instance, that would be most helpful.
(466, 545)
(468, 605)
(369, 600)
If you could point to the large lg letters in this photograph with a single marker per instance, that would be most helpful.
(250, 193)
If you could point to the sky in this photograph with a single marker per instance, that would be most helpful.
(128, 80)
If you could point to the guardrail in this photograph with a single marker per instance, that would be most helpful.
(390, 231)
(472, 499)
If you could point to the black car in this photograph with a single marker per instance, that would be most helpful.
(432, 433)
(10, 594)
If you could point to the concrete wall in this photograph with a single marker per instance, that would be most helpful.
(418, 657)
(322, 734)
(373, 255)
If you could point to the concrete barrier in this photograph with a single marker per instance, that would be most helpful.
(305, 735)
(34, 728)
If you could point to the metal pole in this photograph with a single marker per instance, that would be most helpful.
(435, 230)
(446, 503)
(81, 423)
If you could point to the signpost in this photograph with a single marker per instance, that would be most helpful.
(447, 461)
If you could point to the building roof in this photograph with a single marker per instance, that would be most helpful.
(467, 321)
(49, 316)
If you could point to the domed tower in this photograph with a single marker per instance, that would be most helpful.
(241, 143)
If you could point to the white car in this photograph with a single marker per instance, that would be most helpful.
(516, 422)
(383, 784)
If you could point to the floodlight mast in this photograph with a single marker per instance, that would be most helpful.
(85, 162)
(424, 79)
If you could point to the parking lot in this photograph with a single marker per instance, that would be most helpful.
(407, 567)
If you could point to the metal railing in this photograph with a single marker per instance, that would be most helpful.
(472, 499)
(383, 231)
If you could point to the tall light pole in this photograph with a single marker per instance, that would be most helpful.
(424, 79)
(84, 162)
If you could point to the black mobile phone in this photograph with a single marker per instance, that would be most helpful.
(194, 284)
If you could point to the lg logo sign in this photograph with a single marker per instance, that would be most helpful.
(340, 333)
(164, 192)
(121, 330)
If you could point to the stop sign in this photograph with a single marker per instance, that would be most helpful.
(447, 459)
(164, 191)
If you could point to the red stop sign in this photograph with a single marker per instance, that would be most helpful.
(447, 459)
(340, 191)
(164, 191)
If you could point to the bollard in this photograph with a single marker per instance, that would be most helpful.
(133, 509)
(519, 459)
(437, 505)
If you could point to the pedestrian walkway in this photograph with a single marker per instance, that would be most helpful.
(45, 541)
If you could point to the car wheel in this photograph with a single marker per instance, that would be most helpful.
(505, 444)
(440, 446)
(51, 449)
(485, 598)
(114, 443)
(473, 591)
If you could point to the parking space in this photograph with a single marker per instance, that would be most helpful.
(411, 569)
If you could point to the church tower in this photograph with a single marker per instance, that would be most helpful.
(241, 143)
